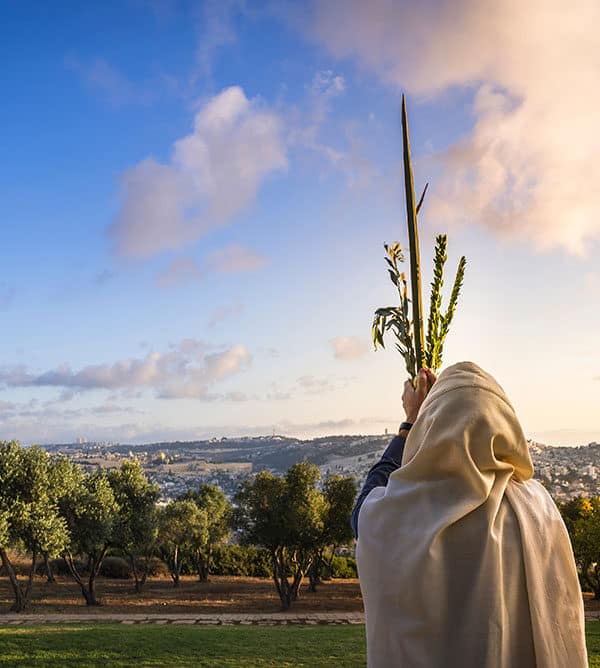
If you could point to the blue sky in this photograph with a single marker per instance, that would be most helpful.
(194, 199)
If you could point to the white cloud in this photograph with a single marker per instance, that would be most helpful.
(214, 173)
(187, 370)
(313, 385)
(528, 168)
(179, 270)
(231, 259)
(348, 347)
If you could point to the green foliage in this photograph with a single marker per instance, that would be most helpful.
(136, 527)
(340, 493)
(183, 528)
(29, 514)
(285, 515)
(91, 512)
(116, 568)
(343, 567)
(212, 500)
(396, 318)
(582, 519)
(240, 560)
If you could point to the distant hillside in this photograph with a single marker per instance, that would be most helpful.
(265, 452)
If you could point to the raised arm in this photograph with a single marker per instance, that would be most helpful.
(392, 457)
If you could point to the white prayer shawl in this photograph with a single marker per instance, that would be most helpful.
(463, 559)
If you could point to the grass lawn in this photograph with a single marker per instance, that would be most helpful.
(112, 645)
(145, 645)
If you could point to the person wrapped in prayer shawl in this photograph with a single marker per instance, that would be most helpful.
(463, 559)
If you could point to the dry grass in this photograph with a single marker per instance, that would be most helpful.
(221, 594)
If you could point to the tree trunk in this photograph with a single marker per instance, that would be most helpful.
(201, 563)
(48, 568)
(94, 562)
(300, 564)
(20, 603)
(280, 578)
(314, 574)
(90, 597)
(329, 562)
(175, 567)
(596, 583)
(139, 577)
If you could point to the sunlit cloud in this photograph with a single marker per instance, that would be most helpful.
(214, 173)
(185, 371)
(349, 347)
(528, 167)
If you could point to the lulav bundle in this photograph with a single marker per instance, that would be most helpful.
(409, 333)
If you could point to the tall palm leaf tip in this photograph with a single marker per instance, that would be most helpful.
(411, 343)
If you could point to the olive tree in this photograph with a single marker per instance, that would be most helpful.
(29, 517)
(211, 499)
(582, 519)
(283, 514)
(91, 513)
(135, 529)
(183, 530)
(339, 492)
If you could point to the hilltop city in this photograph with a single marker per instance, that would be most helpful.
(180, 465)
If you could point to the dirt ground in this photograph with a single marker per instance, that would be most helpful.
(221, 594)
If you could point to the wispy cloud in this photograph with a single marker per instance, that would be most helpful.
(225, 312)
(235, 258)
(528, 168)
(349, 347)
(115, 87)
(179, 270)
(7, 297)
(232, 259)
(214, 173)
(217, 30)
(186, 370)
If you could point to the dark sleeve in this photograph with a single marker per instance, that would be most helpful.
(379, 474)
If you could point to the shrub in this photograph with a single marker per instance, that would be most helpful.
(240, 560)
(344, 567)
(116, 568)
(59, 567)
(156, 567)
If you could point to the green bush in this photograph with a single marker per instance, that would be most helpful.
(240, 560)
(344, 567)
(59, 567)
(116, 568)
(156, 567)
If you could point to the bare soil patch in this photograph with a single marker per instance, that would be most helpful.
(222, 594)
